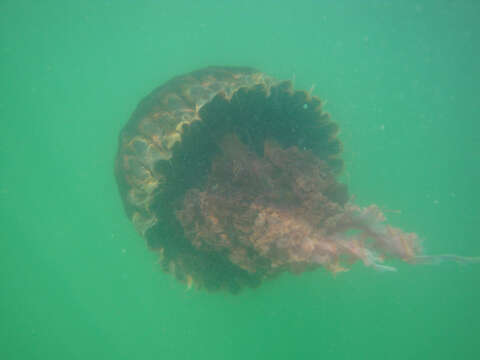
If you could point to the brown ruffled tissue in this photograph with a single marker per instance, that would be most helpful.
(285, 211)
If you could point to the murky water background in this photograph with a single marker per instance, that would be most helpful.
(400, 77)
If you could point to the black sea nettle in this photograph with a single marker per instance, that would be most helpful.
(231, 176)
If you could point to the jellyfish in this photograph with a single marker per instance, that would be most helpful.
(231, 177)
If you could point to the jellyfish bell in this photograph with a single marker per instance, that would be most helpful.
(231, 176)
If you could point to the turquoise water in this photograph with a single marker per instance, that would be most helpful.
(401, 79)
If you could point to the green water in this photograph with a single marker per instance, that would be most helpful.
(400, 77)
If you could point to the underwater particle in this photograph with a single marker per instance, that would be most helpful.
(231, 177)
